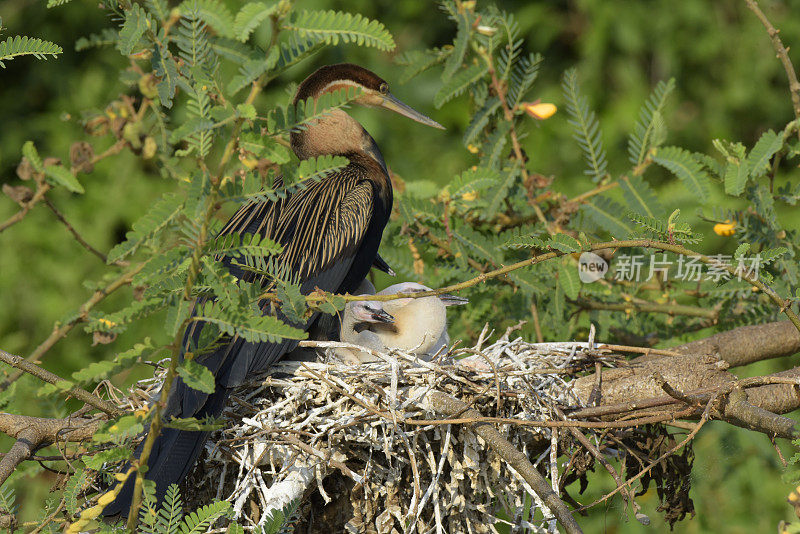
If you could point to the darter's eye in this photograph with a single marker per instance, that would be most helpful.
(384, 88)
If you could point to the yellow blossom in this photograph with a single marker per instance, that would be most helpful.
(540, 110)
(727, 228)
(250, 163)
(149, 149)
(472, 195)
(473, 149)
(106, 498)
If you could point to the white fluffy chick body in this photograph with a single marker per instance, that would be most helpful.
(418, 325)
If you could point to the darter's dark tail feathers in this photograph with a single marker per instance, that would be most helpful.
(173, 455)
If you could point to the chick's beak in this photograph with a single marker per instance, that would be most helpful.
(452, 300)
(382, 317)
(392, 103)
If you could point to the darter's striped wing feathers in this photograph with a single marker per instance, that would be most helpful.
(317, 226)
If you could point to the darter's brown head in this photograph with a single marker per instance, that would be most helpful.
(337, 132)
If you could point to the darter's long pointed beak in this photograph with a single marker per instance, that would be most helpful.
(392, 103)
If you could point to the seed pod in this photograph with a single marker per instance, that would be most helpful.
(81, 154)
(19, 194)
(103, 338)
(24, 169)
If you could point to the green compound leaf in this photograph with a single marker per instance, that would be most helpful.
(681, 163)
(196, 376)
(332, 26)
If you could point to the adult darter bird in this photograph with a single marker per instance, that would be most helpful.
(330, 231)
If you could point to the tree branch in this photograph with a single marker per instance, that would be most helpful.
(74, 232)
(32, 433)
(41, 189)
(648, 307)
(319, 296)
(747, 344)
(50, 378)
(783, 55)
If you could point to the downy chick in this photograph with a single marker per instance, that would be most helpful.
(419, 325)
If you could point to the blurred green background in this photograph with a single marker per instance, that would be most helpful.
(729, 85)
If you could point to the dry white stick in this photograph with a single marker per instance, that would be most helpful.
(553, 525)
(296, 480)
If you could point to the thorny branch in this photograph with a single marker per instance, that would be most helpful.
(508, 113)
(783, 55)
(75, 234)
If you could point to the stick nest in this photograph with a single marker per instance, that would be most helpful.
(363, 449)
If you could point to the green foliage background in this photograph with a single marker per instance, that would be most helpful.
(728, 85)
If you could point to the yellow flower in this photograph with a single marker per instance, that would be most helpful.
(106, 498)
(540, 110)
(250, 163)
(106, 322)
(473, 149)
(149, 149)
(727, 228)
(472, 195)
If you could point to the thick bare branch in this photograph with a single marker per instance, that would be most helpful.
(32, 433)
(700, 365)
(739, 410)
(748, 344)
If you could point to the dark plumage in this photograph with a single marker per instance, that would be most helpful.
(330, 231)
